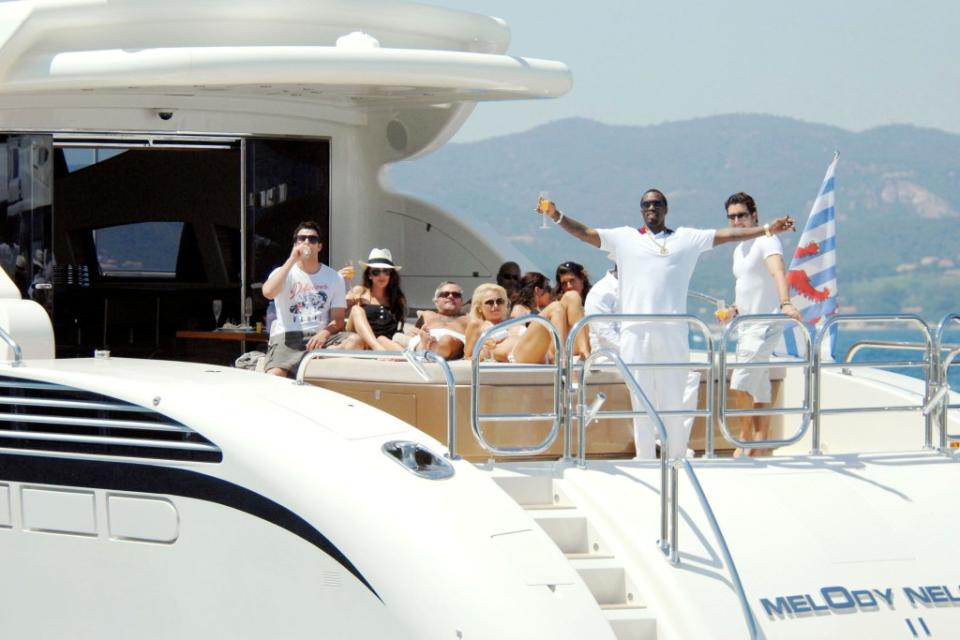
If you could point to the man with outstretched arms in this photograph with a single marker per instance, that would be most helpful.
(654, 264)
(310, 298)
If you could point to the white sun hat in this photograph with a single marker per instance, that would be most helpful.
(381, 258)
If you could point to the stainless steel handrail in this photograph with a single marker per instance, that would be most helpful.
(17, 351)
(556, 415)
(945, 399)
(890, 345)
(724, 549)
(929, 365)
(655, 418)
(663, 318)
(943, 372)
(807, 362)
(409, 357)
(702, 296)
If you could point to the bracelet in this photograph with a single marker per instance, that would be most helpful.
(560, 219)
(766, 230)
(784, 303)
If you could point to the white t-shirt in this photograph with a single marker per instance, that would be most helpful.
(604, 297)
(756, 292)
(306, 299)
(651, 282)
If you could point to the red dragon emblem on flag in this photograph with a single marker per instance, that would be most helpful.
(799, 281)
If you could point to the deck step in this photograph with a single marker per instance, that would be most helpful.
(544, 507)
(533, 491)
(569, 532)
(608, 583)
(632, 623)
(604, 576)
(588, 556)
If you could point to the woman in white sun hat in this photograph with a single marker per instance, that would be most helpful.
(377, 306)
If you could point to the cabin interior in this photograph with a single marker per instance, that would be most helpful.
(127, 240)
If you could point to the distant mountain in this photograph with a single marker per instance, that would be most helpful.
(898, 194)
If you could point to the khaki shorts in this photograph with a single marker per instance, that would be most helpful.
(285, 351)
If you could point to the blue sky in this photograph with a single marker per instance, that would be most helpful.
(855, 64)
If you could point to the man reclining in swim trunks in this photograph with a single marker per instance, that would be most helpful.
(442, 331)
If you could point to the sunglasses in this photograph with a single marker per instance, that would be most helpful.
(652, 204)
(450, 294)
(377, 272)
(310, 239)
(739, 216)
(509, 276)
(495, 302)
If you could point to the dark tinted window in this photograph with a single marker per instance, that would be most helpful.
(140, 249)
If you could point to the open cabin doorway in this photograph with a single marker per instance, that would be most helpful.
(137, 238)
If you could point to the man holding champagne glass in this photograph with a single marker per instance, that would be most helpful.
(310, 299)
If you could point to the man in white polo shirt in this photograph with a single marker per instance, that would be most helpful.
(654, 264)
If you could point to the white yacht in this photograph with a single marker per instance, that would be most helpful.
(155, 158)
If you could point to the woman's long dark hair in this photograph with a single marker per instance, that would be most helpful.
(527, 289)
(397, 302)
(576, 269)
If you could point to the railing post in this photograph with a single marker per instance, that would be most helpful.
(17, 351)
(817, 374)
(674, 513)
(944, 363)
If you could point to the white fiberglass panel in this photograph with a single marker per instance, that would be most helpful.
(535, 562)
(59, 511)
(6, 520)
(142, 519)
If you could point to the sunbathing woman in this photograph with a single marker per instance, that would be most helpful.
(489, 306)
(377, 306)
(532, 296)
(535, 343)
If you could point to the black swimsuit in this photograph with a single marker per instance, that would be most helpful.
(381, 320)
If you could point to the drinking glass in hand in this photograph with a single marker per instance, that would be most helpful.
(543, 207)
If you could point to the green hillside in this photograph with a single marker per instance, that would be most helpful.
(898, 194)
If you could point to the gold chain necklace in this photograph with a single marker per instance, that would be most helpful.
(662, 247)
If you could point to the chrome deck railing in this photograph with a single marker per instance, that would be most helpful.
(556, 415)
(17, 351)
(929, 365)
(806, 411)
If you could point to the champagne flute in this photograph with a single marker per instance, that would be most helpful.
(217, 310)
(543, 205)
(348, 272)
(247, 311)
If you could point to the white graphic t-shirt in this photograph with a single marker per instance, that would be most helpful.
(306, 300)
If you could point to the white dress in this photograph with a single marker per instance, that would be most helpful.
(654, 282)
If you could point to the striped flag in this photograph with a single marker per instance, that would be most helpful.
(812, 275)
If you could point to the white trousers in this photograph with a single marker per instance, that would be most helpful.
(666, 388)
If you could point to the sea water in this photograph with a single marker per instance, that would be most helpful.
(849, 336)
